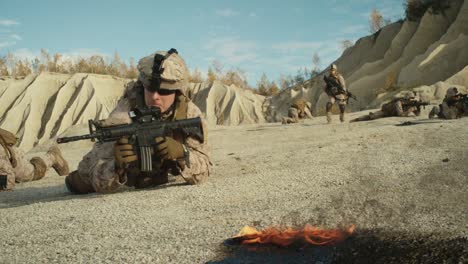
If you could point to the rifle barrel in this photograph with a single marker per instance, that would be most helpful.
(74, 138)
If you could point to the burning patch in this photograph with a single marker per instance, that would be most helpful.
(285, 237)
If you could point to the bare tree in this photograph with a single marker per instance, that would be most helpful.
(377, 21)
(218, 67)
(195, 76)
(316, 62)
(3, 67)
(345, 44)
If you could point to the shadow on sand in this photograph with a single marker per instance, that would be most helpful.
(32, 195)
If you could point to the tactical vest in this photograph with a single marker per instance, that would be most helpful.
(8, 140)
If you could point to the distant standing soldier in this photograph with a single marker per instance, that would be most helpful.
(401, 106)
(453, 106)
(299, 110)
(162, 80)
(15, 168)
(336, 91)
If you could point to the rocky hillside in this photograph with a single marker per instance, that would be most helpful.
(402, 56)
(41, 107)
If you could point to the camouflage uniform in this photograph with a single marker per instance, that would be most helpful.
(97, 172)
(397, 107)
(450, 108)
(299, 110)
(16, 168)
(339, 98)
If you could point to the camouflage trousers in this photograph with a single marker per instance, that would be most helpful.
(341, 100)
(24, 170)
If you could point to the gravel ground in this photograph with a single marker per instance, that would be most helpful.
(404, 187)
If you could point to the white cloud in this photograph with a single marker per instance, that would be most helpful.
(7, 44)
(26, 54)
(72, 55)
(15, 36)
(226, 12)
(8, 22)
(253, 14)
(232, 50)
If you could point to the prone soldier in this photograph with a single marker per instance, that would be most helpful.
(15, 168)
(454, 105)
(161, 83)
(299, 110)
(400, 106)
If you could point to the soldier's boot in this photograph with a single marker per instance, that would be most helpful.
(329, 117)
(59, 164)
(342, 119)
(40, 168)
(76, 185)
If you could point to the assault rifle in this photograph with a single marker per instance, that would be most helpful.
(417, 103)
(145, 127)
(332, 82)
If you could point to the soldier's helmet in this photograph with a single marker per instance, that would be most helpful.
(409, 95)
(452, 91)
(163, 70)
(333, 67)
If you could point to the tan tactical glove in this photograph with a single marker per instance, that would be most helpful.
(169, 149)
(124, 153)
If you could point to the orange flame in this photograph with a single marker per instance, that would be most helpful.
(309, 234)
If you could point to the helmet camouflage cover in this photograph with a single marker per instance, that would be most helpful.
(452, 91)
(163, 70)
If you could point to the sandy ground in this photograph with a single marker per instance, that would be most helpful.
(403, 186)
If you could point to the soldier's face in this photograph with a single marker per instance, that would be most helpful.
(163, 99)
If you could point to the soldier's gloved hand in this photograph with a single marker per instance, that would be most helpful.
(124, 153)
(169, 149)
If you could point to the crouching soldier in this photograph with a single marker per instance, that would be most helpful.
(14, 167)
(337, 93)
(299, 110)
(405, 106)
(161, 82)
(453, 106)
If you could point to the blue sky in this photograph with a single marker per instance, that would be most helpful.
(272, 37)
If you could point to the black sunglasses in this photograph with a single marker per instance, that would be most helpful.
(161, 91)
